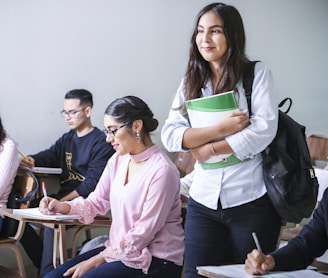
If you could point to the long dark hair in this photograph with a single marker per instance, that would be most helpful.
(198, 70)
(3, 135)
(130, 108)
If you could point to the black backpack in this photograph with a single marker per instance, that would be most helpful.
(288, 173)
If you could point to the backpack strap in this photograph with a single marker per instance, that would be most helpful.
(283, 103)
(30, 195)
(248, 78)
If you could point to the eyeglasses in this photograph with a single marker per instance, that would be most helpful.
(112, 133)
(70, 113)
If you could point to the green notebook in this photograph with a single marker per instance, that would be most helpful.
(208, 111)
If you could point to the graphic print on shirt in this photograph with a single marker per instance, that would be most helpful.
(72, 174)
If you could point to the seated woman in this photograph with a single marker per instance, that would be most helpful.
(8, 167)
(140, 185)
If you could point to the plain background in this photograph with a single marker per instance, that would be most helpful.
(117, 48)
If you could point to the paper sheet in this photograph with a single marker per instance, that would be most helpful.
(34, 213)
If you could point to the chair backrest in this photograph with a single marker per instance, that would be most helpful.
(24, 189)
(185, 164)
(318, 147)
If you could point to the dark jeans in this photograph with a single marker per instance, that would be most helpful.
(214, 237)
(158, 269)
(32, 245)
(47, 254)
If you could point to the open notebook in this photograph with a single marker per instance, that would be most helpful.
(238, 271)
(34, 213)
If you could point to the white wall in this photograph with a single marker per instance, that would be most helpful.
(115, 48)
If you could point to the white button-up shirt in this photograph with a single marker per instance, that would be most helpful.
(243, 182)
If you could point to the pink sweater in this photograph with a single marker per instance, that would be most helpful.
(146, 212)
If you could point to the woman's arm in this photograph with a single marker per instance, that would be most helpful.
(177, 133)
(195, 137)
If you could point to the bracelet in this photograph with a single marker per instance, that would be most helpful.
(213, 150)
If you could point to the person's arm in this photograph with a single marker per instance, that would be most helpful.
(49, 157)
(300, 252)
(27, 161)
(178, 135)
(72, 195)
(253, 139)
(196, 137)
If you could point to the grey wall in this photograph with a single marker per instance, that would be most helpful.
(115, 48)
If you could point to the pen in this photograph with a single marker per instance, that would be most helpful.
(45, 192)
(257, 243)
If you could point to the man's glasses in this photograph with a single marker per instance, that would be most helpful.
(70, 113)
(112, 133)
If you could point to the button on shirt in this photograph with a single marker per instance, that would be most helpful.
(243, 182)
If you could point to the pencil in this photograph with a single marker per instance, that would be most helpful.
(21, 154)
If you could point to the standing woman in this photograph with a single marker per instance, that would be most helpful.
(228, 203)
(140, 185)
(8, 167)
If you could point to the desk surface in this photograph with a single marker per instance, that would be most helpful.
(59, 227)
(99, 220)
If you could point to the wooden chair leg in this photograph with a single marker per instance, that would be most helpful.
(76, 237)
(19, 259)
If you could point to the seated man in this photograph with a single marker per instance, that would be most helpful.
(311, 242)
(82, 153)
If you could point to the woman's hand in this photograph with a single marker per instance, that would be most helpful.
(202, 153)
(234, 122)
(258, 263)
(52, 206)
(83, 267)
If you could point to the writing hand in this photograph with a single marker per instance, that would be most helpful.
(258, 263)
(27, 161)
(45, 207)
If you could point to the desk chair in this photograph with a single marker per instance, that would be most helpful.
(99, 222)
(25, 183)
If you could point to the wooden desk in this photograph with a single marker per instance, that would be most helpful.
(59, 228)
